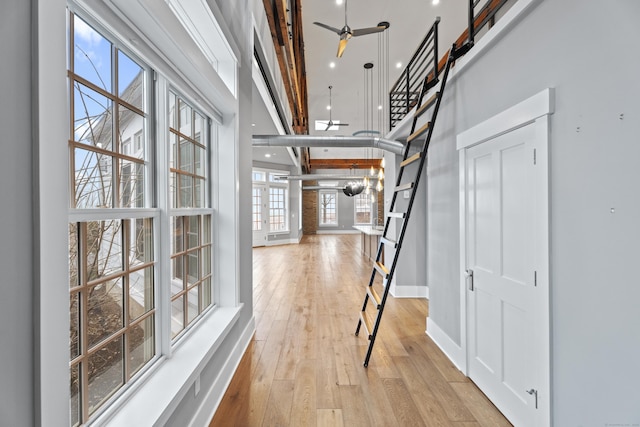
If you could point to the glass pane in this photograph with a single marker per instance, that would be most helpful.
(172, 111)
(141, 344)
(131, 127)
(105, 373)
(173, 152)
(206, 229)
(105, 311)
(130, 81)
(140, 292)
(194, 231)
(75, 395)
(177, 316)
(199, 158)
(186, 190)
(93, 179)
(104, 248)
(200, 129)
(185, 119)
(131, 183)
(186, 156)
(92, 117)
(74, 279)
(192, 306)
(173, 190)
(141, 242)
(74, 326)
(91, 55)
(192, 265)
(206, 261)
(198, 192)
(178, 236)
(177, 275)
(206, 293)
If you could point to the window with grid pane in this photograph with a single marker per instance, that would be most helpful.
(191, 229)
(328, 207)
(111, 259)
(362, 207)
(257, 209)
(277, 209)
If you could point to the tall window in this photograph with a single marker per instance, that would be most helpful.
(277, 209)
(328, 207)
(111, 259)
(191, 215)
(362, 208)
(256, 209)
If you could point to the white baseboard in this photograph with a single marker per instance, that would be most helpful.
(399, 291)
(293, 241)
(337, 232)
(204, 414)
(453, 351)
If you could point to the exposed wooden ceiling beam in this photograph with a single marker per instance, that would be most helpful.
(344, 163)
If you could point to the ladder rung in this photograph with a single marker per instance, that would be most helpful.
(419, 132)
(367, 323)
(389, 242)
(397, 214)
(425, 105)
(374, 296)
(407, 186)
(380, 268)
(411, 159)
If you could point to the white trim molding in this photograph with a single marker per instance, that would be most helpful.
(410, 291)
(453, 351)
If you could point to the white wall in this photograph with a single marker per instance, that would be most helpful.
(584, 50)
(16, 247)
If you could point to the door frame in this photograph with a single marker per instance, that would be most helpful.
(264, 198)
(534, 111)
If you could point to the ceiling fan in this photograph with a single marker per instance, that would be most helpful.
(330, 122)
(346, 32)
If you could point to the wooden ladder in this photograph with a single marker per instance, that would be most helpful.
(370, 321)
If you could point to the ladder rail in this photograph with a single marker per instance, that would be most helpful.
(454, 53)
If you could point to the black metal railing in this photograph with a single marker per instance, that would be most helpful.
(404, 93)
(424, 63)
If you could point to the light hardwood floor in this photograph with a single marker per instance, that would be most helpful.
(304, 364)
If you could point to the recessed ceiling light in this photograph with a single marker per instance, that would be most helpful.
(435, 2)
(332, 65)
(328, 107)
(267, 155)
(253, 124)
(398, 64)
(338, 2)
(379, 107)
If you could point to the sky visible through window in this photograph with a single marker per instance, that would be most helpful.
(93, 61)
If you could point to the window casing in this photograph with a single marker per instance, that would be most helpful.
(115, 235)
(328, 207)
(277, 213)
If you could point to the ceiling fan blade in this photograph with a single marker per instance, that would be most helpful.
(341, 47)
(341, 124)
(370, 30)
(329, 124)
(328, 27)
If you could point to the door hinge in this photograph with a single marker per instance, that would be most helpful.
(469, 278)
(535, 159)
(535, 278)
(534, 393)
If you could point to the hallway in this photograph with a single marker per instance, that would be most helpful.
(304, 364)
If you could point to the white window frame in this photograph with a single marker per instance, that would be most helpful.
(320, 208)
(355, 208)
(270, 182)
(152, 399)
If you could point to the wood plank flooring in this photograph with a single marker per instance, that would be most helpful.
(304, 364)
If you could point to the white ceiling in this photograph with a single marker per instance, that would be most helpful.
(409, 22)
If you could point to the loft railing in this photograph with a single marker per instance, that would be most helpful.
(404, 93)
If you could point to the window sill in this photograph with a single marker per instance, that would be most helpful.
(152, 400)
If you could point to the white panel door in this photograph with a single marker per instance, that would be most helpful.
(502, 300)
(259, 214)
